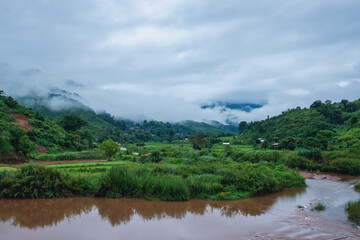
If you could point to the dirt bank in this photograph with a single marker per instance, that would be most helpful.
(319, 176)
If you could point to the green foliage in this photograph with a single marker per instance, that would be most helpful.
(296, 161)
(288, 143)
(33, 181)
(319, 207)
(324, 126)
(120, 182)
(84, 155)
(20, 142)
(5, 145)
(155, 157)
(71, 122)
(171, 182)
(25, 146)
(45, 133)
(345, 162)
(357, 187)
(313, 154)
(353, 210)
(198, 140)
(110, 148)
(256, 156)
(265, 144)
(346, 166)
(243, 126)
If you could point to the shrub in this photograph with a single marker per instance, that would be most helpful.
(203, 186)
(168, 187)
(313, 154)
(357, 186)
(34, 181)
(319, 207)
(346, 166)
(119, 182)
(296, 161)
(353, 209)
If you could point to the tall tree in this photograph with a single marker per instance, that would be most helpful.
(72, 122)
(110, 148)
(198, 140)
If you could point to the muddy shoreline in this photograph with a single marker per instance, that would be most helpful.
(327, 176)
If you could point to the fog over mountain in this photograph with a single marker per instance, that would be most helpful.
(166, 60)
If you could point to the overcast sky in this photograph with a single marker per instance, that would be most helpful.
(163, 59)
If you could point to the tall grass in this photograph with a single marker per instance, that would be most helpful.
(353, 209)
(170, 182)
(121, 182)
(35, 181)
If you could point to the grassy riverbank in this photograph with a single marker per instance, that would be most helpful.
(353, 210)
(170, 182)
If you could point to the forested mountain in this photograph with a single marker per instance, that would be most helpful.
(78, 127)
(324, 125)
(23, 130)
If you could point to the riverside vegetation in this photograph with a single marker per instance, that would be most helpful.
(158, 164)
(166, 181)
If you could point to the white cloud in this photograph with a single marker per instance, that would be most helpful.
(298, 92)
(343, 83)
(163, 59)
(146, 36)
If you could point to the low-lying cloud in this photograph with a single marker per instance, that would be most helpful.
(163, 60)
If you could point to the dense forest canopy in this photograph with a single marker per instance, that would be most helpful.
(323, 125)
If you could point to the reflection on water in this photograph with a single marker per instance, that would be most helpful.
(274, 216)
(42, 212)
(49, 212)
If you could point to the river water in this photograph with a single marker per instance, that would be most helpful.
(274, 216)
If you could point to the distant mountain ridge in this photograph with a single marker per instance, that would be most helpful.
(55, 97)
(68, 103)
(225, 106)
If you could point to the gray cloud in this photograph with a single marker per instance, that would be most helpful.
(164, 59)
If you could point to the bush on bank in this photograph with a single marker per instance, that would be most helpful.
(152, 181)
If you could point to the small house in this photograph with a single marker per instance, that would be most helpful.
(276, 146)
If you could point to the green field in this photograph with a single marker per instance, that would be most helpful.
(172, 171)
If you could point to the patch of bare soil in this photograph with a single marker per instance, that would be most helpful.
(23, 123)
(41, 149)
(319, 176)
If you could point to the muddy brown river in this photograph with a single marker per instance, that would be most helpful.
(274, 216)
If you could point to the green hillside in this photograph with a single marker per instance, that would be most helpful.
(104, 126)
(48, 126)
(31, 128)
(324, 125)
